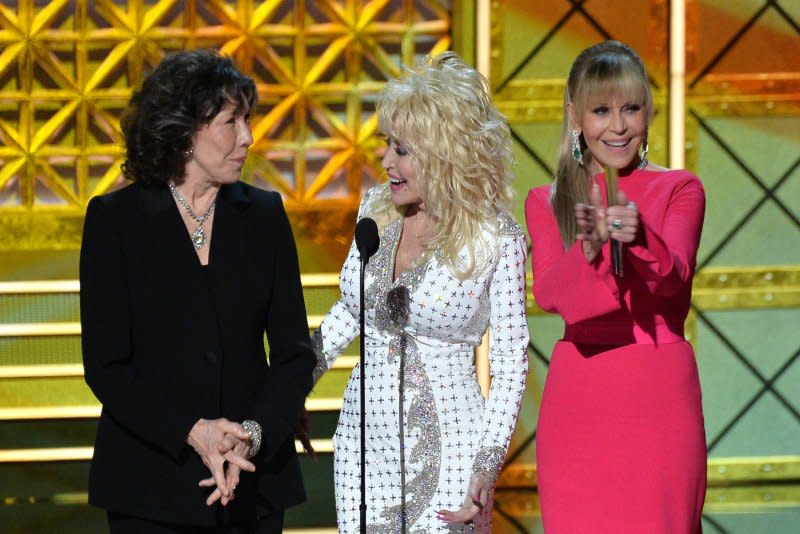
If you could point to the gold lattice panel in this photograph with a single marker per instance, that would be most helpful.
(67, 69)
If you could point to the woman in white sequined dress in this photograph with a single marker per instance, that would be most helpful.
(451, 264)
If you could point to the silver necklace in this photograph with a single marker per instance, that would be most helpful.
(199, 237)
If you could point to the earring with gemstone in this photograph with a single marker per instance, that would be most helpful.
(577, 155)
(645, 149)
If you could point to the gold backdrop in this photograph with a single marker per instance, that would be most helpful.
(67, 70)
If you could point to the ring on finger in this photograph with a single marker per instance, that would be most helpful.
(617, 224)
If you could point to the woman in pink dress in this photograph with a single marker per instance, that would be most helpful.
(620, 442)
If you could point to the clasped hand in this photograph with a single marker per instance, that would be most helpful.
(218, 442)
(596, 223)
(225, 441)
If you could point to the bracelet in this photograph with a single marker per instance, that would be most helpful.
(488, 462)
(254, 429)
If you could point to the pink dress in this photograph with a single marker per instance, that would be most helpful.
(620, 442)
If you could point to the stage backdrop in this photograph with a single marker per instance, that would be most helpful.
(67, 68)
(739, 130)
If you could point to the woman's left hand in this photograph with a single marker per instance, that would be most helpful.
(301, 431)
(232, 473)
(622, 220)
(474, 502)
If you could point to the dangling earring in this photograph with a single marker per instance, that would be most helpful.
(188, 152)
(643, 161)
(577, 155)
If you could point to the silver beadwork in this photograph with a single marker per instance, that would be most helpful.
(317, 343)
(488, 462)
(425, 456)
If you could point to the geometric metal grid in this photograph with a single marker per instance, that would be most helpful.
(67, 69)
(527, 96)
(533, 99)
(718, 89)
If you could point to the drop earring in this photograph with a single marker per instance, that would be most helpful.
(577, 155)
(645, 149)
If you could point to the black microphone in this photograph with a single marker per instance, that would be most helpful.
(367, 243)
(367, 240)
(611, 199)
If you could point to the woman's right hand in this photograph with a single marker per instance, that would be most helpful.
(208, 439)
(592, 228)
(232, 474)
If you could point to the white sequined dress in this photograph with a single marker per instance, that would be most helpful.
(428, 426)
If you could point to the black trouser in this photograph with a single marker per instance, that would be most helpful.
(125, 524)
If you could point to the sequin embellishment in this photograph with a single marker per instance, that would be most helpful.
(421, 424)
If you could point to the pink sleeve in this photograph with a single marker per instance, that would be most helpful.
(666, 259)
(563, 281)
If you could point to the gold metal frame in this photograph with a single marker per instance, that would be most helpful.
(720, 471)
(722, 499)
(92, 411)
(27, 287)
(67, 70)
(84, 454)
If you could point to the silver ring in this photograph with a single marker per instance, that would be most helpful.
(617, 224)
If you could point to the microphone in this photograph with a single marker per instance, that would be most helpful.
(367, 240)
(611, 194)
(367, 243)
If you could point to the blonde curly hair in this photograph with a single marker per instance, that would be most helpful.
(442, 111)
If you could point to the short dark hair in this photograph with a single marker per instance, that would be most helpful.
(184, 92)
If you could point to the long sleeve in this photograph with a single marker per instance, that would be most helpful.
(508, 353)
(562, 279)
(138, 401)
(279, 404)
(339, 326)
(666, 260)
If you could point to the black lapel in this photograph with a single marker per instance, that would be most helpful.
(227, 259)
(168, 252)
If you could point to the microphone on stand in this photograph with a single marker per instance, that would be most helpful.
(367, 240)
(367, 243)
(616, 246)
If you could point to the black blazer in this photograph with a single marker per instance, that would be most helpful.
(167, 342)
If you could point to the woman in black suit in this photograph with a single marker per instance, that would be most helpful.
(182, 273)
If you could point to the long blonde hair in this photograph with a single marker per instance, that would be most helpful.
(442, 111)
(606, 68)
